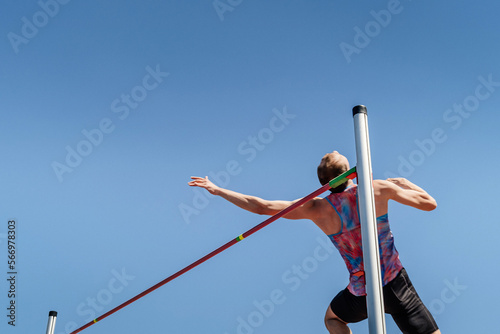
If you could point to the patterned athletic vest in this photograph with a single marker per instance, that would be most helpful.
(348, 242)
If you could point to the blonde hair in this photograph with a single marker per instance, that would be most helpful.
(329, 169)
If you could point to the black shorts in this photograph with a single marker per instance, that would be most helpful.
(401, 301)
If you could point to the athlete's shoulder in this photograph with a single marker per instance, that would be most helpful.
(381, 183)
(383, 187)
(316, 209)
(323, 205)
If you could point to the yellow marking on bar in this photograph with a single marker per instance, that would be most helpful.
(240, 237)
(95, 321)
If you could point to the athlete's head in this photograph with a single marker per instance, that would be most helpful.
(332, 165)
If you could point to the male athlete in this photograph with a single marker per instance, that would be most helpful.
(337, 216)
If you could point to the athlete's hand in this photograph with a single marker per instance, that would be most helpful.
(204, 183)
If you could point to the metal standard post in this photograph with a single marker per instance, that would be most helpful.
(368, 220)
(51, 325)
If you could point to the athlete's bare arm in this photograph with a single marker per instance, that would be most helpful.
(403, 191)
(308, 210)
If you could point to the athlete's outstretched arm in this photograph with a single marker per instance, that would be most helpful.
(255, 204)
(405, 192)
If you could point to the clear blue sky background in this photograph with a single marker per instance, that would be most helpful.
(96, 230)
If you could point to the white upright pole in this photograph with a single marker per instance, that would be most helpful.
(368, 220)
(51, 325)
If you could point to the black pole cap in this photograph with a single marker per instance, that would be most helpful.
(361, 109)
(52, 314)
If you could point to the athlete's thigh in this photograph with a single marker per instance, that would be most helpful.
(406, 308)
(348, 307)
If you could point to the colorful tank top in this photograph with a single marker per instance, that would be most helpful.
(348, 242)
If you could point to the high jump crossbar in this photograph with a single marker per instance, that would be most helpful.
(350, 174)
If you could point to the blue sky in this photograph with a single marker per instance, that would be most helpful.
(109, 107)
